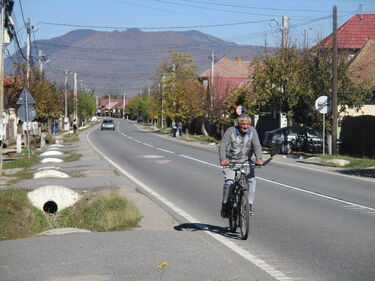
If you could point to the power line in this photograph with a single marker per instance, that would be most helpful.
(212, 9)
(254, 7)
(23, 17)
(155, 27)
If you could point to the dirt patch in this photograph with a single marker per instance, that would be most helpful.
(153, 216)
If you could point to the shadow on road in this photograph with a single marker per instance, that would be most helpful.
(359, 172)
(224, 231)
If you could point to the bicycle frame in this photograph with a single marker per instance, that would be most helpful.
(238, 200)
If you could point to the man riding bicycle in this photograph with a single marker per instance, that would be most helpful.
(238, 145)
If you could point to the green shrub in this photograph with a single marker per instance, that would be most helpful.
(101, 212)
(18, 217)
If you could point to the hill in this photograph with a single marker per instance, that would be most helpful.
(124, 61)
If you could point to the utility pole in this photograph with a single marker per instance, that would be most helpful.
(109, 104)
(285, 31)
(66, 119)
(75, 97)
(28, 50)
(28, 57)
(334, 84)
(123, 105)
(212, 58)
(161, 89)
(42, 61)
(2, 86)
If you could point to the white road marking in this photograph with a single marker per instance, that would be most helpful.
(278, 275)
(357, 206)
(146, 144)
(151, 156)
(327, 172)
(354, 205)
(168, 151)
(200, 161)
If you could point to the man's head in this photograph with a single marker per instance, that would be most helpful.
(244, 122)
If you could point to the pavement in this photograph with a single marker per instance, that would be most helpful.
(73, 254)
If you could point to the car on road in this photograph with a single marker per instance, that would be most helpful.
(107, 124)
(294, 138)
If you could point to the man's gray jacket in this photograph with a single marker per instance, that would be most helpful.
(238, 148)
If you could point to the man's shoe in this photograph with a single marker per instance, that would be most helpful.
(224, 210)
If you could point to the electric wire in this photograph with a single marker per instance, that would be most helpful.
(255, 7)
(154, 27)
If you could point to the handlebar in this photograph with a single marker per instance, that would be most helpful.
(236, 165)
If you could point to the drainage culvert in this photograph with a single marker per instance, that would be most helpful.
(53, 198)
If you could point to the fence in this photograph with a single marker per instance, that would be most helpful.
(358, 136)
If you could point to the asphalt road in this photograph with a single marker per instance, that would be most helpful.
(308, 225)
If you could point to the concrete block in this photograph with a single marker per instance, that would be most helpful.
(50, 174)
(51, 153)
(62, 196)
(51, 160)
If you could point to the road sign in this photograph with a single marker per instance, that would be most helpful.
(323, 104)
(240, 109)
(25, 96)
(21, 113)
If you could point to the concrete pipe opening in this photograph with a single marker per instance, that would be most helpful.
(50, 207)
(53, 198)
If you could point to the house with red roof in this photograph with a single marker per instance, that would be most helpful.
(362, 68)
(110, 106)
(357, 36)
(353, 34)
(226, 76)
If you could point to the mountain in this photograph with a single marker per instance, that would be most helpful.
(124, 61)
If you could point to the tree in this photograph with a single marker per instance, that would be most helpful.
(291, 80)
(279, 81)
(49, 100)
(86, 107)
(138, 106)
(241, 96)
(182, 95)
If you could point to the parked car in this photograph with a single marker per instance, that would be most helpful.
(294, 138)
(107, 124)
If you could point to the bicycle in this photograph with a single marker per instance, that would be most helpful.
(238, 203)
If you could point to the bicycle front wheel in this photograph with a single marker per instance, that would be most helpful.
(244, 218)
(233, 219)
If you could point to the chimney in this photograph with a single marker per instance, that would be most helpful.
(238, 59)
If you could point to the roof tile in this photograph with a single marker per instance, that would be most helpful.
(354, 33)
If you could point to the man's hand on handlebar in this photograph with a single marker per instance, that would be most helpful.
(224, 162)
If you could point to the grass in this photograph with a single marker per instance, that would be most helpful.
(200, 138)
(77, 175)
(74, 156)
(22, 161)
(71, 137)
(21, 175)
(106, 211)
(355, 163)
(18, 218)
(101, 212)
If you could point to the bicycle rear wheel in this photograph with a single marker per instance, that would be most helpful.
(244, 219)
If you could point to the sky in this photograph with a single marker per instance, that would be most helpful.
(243, 22)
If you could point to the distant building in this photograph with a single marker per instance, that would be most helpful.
(108, 106)
(228, 75)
